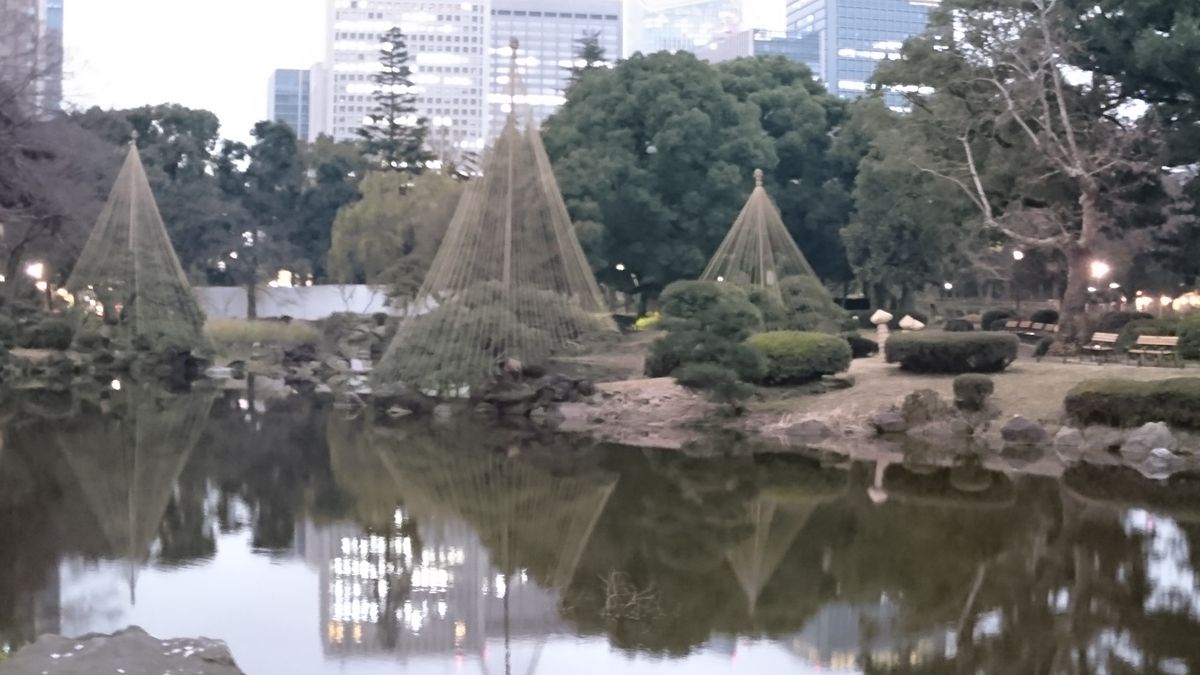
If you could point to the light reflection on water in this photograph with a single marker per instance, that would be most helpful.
(316, 544)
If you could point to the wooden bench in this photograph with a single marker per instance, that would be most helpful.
(1008, 326)
(1101, 345)
(1156, 347)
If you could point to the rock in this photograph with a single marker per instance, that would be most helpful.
(398, 395)
(1149, 437)
(585, 387)
(1068, 443)
(131, 651)
(1160, 464)
(942, 432)
(299, 354)
(923, 406)
(509, 395)
(889, 422)
(396, 412)
(358, 366)
(443, 411)
(809, 430)
(1022, 431)
(486, 410)
(1102, 439)
(909, 323)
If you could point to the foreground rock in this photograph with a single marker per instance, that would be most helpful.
(129, 652)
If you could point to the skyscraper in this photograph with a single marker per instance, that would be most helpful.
(804, 49)
(856, 35)
(548, 36)
(675, 25)
(447, 45)
(288, 99)
(31, 51)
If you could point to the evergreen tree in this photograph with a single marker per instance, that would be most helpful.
(394, 136)
(589, 55)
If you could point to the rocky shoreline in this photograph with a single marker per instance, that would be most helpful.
(128, 652)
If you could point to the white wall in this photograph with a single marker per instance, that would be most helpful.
(302, 302)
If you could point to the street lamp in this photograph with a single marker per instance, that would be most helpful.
(1018, 256)
(620, 267)
(1100, 269)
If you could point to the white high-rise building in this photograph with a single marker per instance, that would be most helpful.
(548, 36)
(680, 25)
(448, 51)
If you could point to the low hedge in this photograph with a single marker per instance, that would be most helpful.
(1128, 403)
(1189, 337)
(1045, 316)
(1129, 335)
(49, 333)
(958, 326)
(992, 316)
(861, 347)
(1113, 322)
(933, 352)
(796, 357)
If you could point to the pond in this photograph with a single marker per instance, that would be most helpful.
(314, 542)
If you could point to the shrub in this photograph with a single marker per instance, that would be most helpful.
(994, 316)
(929, 352)
(861, 347)
(89, 341)
(680, 348)
(1189, 337)
(1043, 347)
(648, 322)
(720, 383)
(1113, 322)
(796, 357)
(774, 314)
(721, 309)
(971, 391)
(959, 326)
(1126, 403)
(810, 307)
(1044, 316)
(49, 333)
(8, 330)
(1135, 329)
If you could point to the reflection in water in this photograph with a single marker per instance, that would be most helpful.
(315, 543)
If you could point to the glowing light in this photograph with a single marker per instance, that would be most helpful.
(233, 255)
(1091, 289)
(1018, 255)
(116, 385)
(948, 286)
(1165, 300)
(35, 270)
(1114, 285)
(620, 267)
(42, 286)
(720, 279)
(1100, 269)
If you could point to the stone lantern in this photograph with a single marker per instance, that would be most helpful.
(881, 318)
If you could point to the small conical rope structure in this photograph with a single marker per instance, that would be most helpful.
(758, 251)
(510, 278)
(128, 277)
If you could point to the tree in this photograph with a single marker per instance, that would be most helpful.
(627, 153)
(269, 191)
(394, 138)
(1045, 163)
(589, 55)
(391, 234)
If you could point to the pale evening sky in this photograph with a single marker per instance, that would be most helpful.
(213, 54)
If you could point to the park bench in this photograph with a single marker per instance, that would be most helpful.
(1101, 344)
(1156, 347)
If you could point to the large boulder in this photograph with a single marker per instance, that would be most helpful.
(398, 395)
(1022, 431)
(889, 422)
(1151, 436)
(925, 405)
(1068, 444)
(129, 652)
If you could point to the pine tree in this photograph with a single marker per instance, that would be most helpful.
(589, 55)
(393, 136)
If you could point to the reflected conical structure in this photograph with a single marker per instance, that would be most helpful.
(777, 522)
(128, 277)
(758, 251)
(509, 280)
(127, 462)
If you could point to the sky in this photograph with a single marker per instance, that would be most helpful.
(211, 54)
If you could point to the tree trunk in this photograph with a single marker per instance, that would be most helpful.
(251, 299)
(1073, 314)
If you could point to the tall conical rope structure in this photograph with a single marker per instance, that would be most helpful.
(758, 251)
(510, 279)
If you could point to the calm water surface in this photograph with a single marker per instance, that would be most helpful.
(315, 543)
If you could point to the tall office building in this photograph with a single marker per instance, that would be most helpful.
(288, 99)
(680, 25)
(447, 45)
(804, 49)
(548, 37)
(856, 35)
(31, 50)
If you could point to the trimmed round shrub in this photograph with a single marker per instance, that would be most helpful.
(958, 326)
(994, 316)
(971, 391)
(49, 333)
(929, 352)
(774, 314)
(1129, 335)
(810, 306)
(1044, 316)
(1127, 403)
(680, 348)
(1189, 337)
(1113, 322)
(861, 347)
(720, 383)
(796, 357)
(723, 309)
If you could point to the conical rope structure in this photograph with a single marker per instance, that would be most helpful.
(128, 278)
(127, 461)
(510, 279)
(758, 251)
